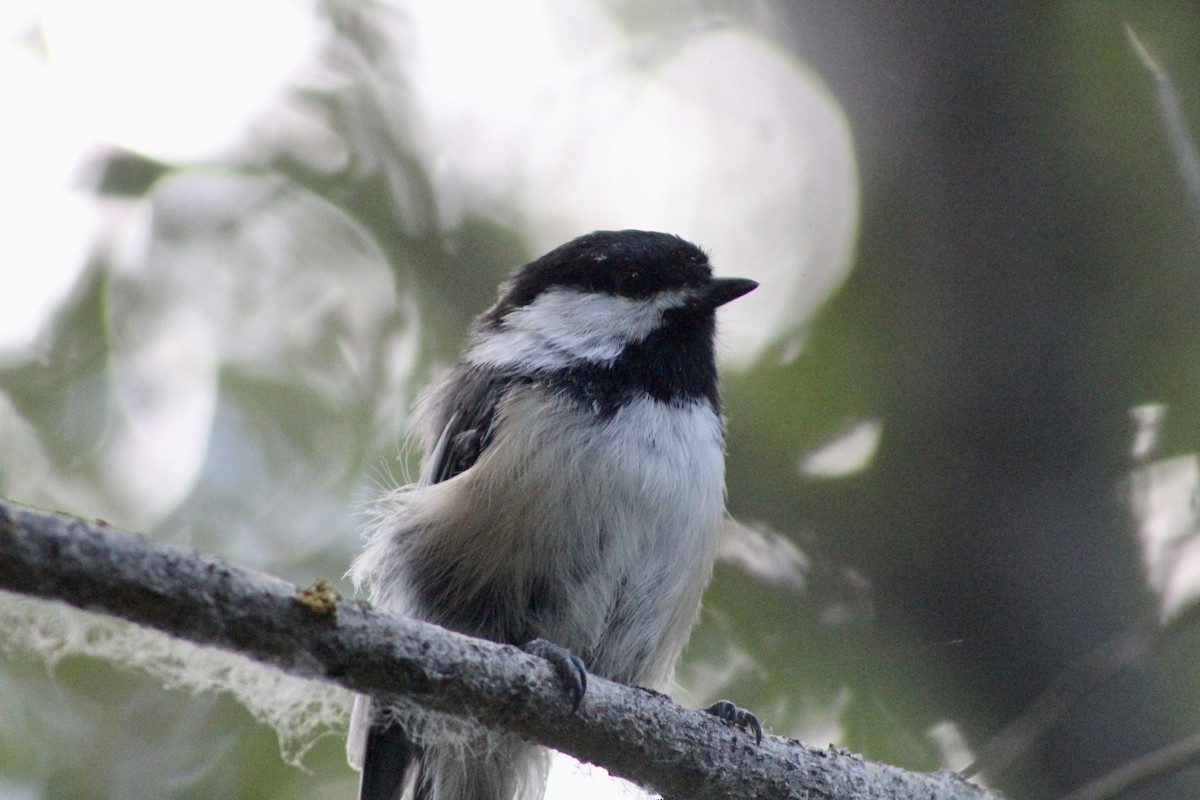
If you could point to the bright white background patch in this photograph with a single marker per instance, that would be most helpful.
(846, 454)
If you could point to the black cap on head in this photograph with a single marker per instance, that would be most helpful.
(627, 263)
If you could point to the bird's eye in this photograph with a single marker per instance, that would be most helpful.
(630, 282)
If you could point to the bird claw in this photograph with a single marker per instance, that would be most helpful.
(570, 667)
(738, 717)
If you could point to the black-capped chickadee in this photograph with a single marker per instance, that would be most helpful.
(571, 493)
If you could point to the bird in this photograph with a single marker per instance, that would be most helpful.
(569, 500)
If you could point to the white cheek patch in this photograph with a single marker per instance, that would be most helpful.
(566, 326)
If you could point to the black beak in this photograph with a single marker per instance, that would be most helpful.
(722, 290)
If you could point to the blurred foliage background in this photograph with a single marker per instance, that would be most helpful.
(964, 409)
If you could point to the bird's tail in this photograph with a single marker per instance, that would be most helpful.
(441, 758)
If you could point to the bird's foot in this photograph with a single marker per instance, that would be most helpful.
(738, 717)
(570, 667)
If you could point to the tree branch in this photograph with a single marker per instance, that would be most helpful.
(1151, 766)
(635, 733)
